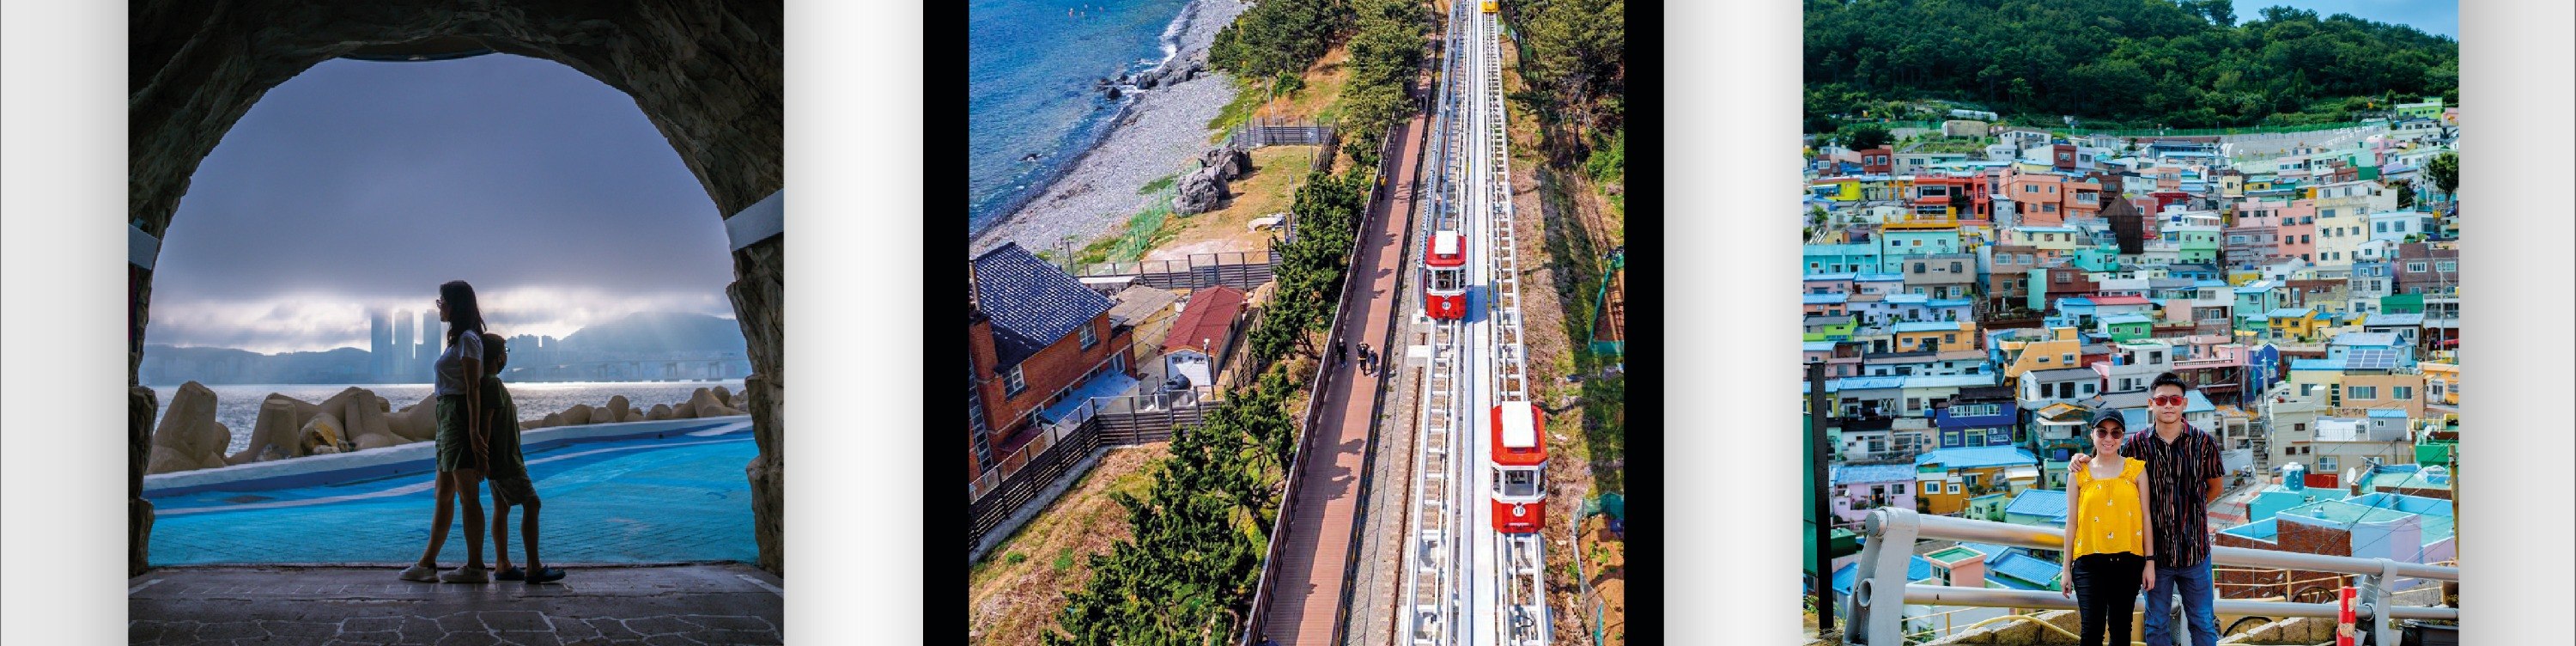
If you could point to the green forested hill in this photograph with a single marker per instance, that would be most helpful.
(2181, 64)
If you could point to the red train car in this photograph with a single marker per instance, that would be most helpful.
(1444, 281)
(1520, 469)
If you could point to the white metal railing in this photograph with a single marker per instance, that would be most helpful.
(1873, 616)
(1430, 601)
(1521, 565)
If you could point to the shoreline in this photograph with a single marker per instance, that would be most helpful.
(1155, 133)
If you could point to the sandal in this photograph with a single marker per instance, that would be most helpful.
(512, 573)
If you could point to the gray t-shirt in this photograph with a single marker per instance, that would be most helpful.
(451, 364)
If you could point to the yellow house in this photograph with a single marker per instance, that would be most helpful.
(2368, 392)
(2060, 350)
(1947, 478)
(2441, 383)
(2301, 323)
(1839, 189)
(1935, 336)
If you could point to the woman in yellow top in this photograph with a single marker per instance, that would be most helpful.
(2109, 541)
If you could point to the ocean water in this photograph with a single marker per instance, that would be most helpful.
(1030, 68)
(237, 405)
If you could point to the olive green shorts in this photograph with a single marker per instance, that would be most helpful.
(513, 491)
(455, 446)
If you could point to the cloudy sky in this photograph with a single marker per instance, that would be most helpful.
(364, 185)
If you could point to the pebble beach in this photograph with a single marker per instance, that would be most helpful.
(1160, 133)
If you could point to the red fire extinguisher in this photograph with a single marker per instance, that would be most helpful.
(2344, 632)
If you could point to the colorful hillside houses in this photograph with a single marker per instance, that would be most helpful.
(1966, 342)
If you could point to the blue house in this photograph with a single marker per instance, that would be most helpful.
(2037, 508)
(1976, 423)
(1838, 258)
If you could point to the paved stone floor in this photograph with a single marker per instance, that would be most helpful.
(728, 603)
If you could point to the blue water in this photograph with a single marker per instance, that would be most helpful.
(1030, 69)
(634, 501)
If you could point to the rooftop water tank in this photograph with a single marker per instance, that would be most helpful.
(2294, 476)
(2437, 475)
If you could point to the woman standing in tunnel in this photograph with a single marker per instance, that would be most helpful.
(462, 448)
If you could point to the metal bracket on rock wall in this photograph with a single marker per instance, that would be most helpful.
(141, 248)
(762, 220)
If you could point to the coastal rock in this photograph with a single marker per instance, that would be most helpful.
(1200, 191)
(632, 415)
(684, 410)
(659, 412)
(323, 431)
(1113, 93)
(363, 421)
(416, 422)
(279, 426)
(189, 437)
(554, 420)
(618, 408)
(704, 402)
(725, 397)
(1231, 160)
(578, 415)
(1148, 81)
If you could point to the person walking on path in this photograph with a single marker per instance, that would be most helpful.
(2184, 473)
(2107, 536)
(1341, 353)
(1364, 358)
(462, 448)
(509, 474)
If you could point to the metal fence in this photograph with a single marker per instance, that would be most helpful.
(1126, 420)
(1261, 132)
(1244, 270)
(1875, 613)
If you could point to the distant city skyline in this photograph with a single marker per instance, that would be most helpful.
(361, 186)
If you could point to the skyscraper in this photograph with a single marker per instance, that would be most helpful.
(398, 350)
(380, 342)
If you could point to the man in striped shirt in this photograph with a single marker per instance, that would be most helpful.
(2183, 475)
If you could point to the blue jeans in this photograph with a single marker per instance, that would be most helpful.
(2194, 581)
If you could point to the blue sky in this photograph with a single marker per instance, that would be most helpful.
(363, 184)
(2432, 16)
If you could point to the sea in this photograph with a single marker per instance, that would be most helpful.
(237, 405)
(1031, 65)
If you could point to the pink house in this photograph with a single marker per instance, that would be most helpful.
(1859, 488)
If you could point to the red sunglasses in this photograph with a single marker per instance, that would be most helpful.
(2167, 400)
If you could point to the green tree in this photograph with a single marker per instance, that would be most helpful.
(1866, 136)
(2445, 171)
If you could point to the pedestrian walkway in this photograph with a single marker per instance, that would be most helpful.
(690, 604)
(1304, 608)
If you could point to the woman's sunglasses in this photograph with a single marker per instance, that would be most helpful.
(2112, 431)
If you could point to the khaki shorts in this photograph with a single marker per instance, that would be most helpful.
(514, 491)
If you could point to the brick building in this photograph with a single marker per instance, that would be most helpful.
(1033, 335)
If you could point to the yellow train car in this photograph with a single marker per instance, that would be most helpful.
(1491, 6)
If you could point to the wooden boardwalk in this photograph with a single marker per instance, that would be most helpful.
(1306, 608)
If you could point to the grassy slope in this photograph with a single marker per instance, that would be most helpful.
(1015, 593)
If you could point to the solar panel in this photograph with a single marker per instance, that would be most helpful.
(2371, 359)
